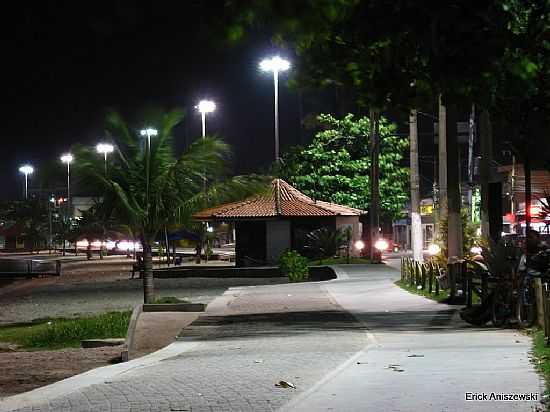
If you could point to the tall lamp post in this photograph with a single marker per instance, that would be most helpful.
(26, 170)
(105, 149)
(67, 158)
(275, 64)
(204, 107)
(148, 132)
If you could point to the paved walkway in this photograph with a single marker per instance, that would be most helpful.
(335, 341)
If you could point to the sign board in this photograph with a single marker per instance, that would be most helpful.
(462, 131)
(426, 209)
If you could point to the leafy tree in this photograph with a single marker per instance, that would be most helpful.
(154, 187)
(98, 222)
(335, 166)
(31, 216)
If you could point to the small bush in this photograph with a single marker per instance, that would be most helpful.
(294, 265)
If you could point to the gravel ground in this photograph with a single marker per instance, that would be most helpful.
(101, 286)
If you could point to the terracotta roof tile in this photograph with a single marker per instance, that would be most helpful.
(284, 200)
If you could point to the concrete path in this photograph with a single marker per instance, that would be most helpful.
(420, 356)
(335, 341)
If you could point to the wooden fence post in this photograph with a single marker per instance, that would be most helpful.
(424, 273)
(437, 280)
(430, 277)
(539, 299)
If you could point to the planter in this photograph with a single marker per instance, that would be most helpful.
(174, 307)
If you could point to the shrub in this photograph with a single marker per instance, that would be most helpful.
(325, 243)
(294, 265)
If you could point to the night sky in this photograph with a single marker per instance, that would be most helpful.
(66, 63)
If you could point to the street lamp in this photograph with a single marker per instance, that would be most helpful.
(205, 106)
(68, 159)
(148, 132)
(105, 149)
(26, 170)
(275, 64)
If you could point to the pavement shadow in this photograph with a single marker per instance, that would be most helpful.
(304, 322)
(271, 324)
(413, 321)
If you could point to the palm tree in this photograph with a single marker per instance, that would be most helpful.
(153, 187)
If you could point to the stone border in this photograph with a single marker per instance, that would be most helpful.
(174, 307)
(131, 332)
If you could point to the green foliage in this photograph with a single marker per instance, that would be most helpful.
(501, 258)
(541, 352)
(443, 294)
(31, 216)
(469, 237)
(62, 333)
(325, 243)
(335, 167)
(294, 265)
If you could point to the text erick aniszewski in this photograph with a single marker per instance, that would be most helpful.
(501, 396)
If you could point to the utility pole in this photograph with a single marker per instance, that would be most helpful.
(486, 136)
(471, 140)
(374, 211)
(442, 126)
(454, 221)
(416, 220)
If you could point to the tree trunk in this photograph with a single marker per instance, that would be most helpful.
(148, 281)
(486, 140)
(374, 218)
(454, 221)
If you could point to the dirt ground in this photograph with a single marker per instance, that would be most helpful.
(24, 371)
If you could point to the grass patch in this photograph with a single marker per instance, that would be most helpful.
(443, 294)
(541, 354)
(66, 333)
(341, 260)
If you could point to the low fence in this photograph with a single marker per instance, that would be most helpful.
(460, 279)
(425, 275)
(23, 268)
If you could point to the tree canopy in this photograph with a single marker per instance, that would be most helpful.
(335, 166)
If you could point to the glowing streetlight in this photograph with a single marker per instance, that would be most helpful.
(275, 64)
(105, 149)
(67, 158)
(148, 132)
(205, 106)
(26, 170)
(434, 249)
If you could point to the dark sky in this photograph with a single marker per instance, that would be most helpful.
(66, 63)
